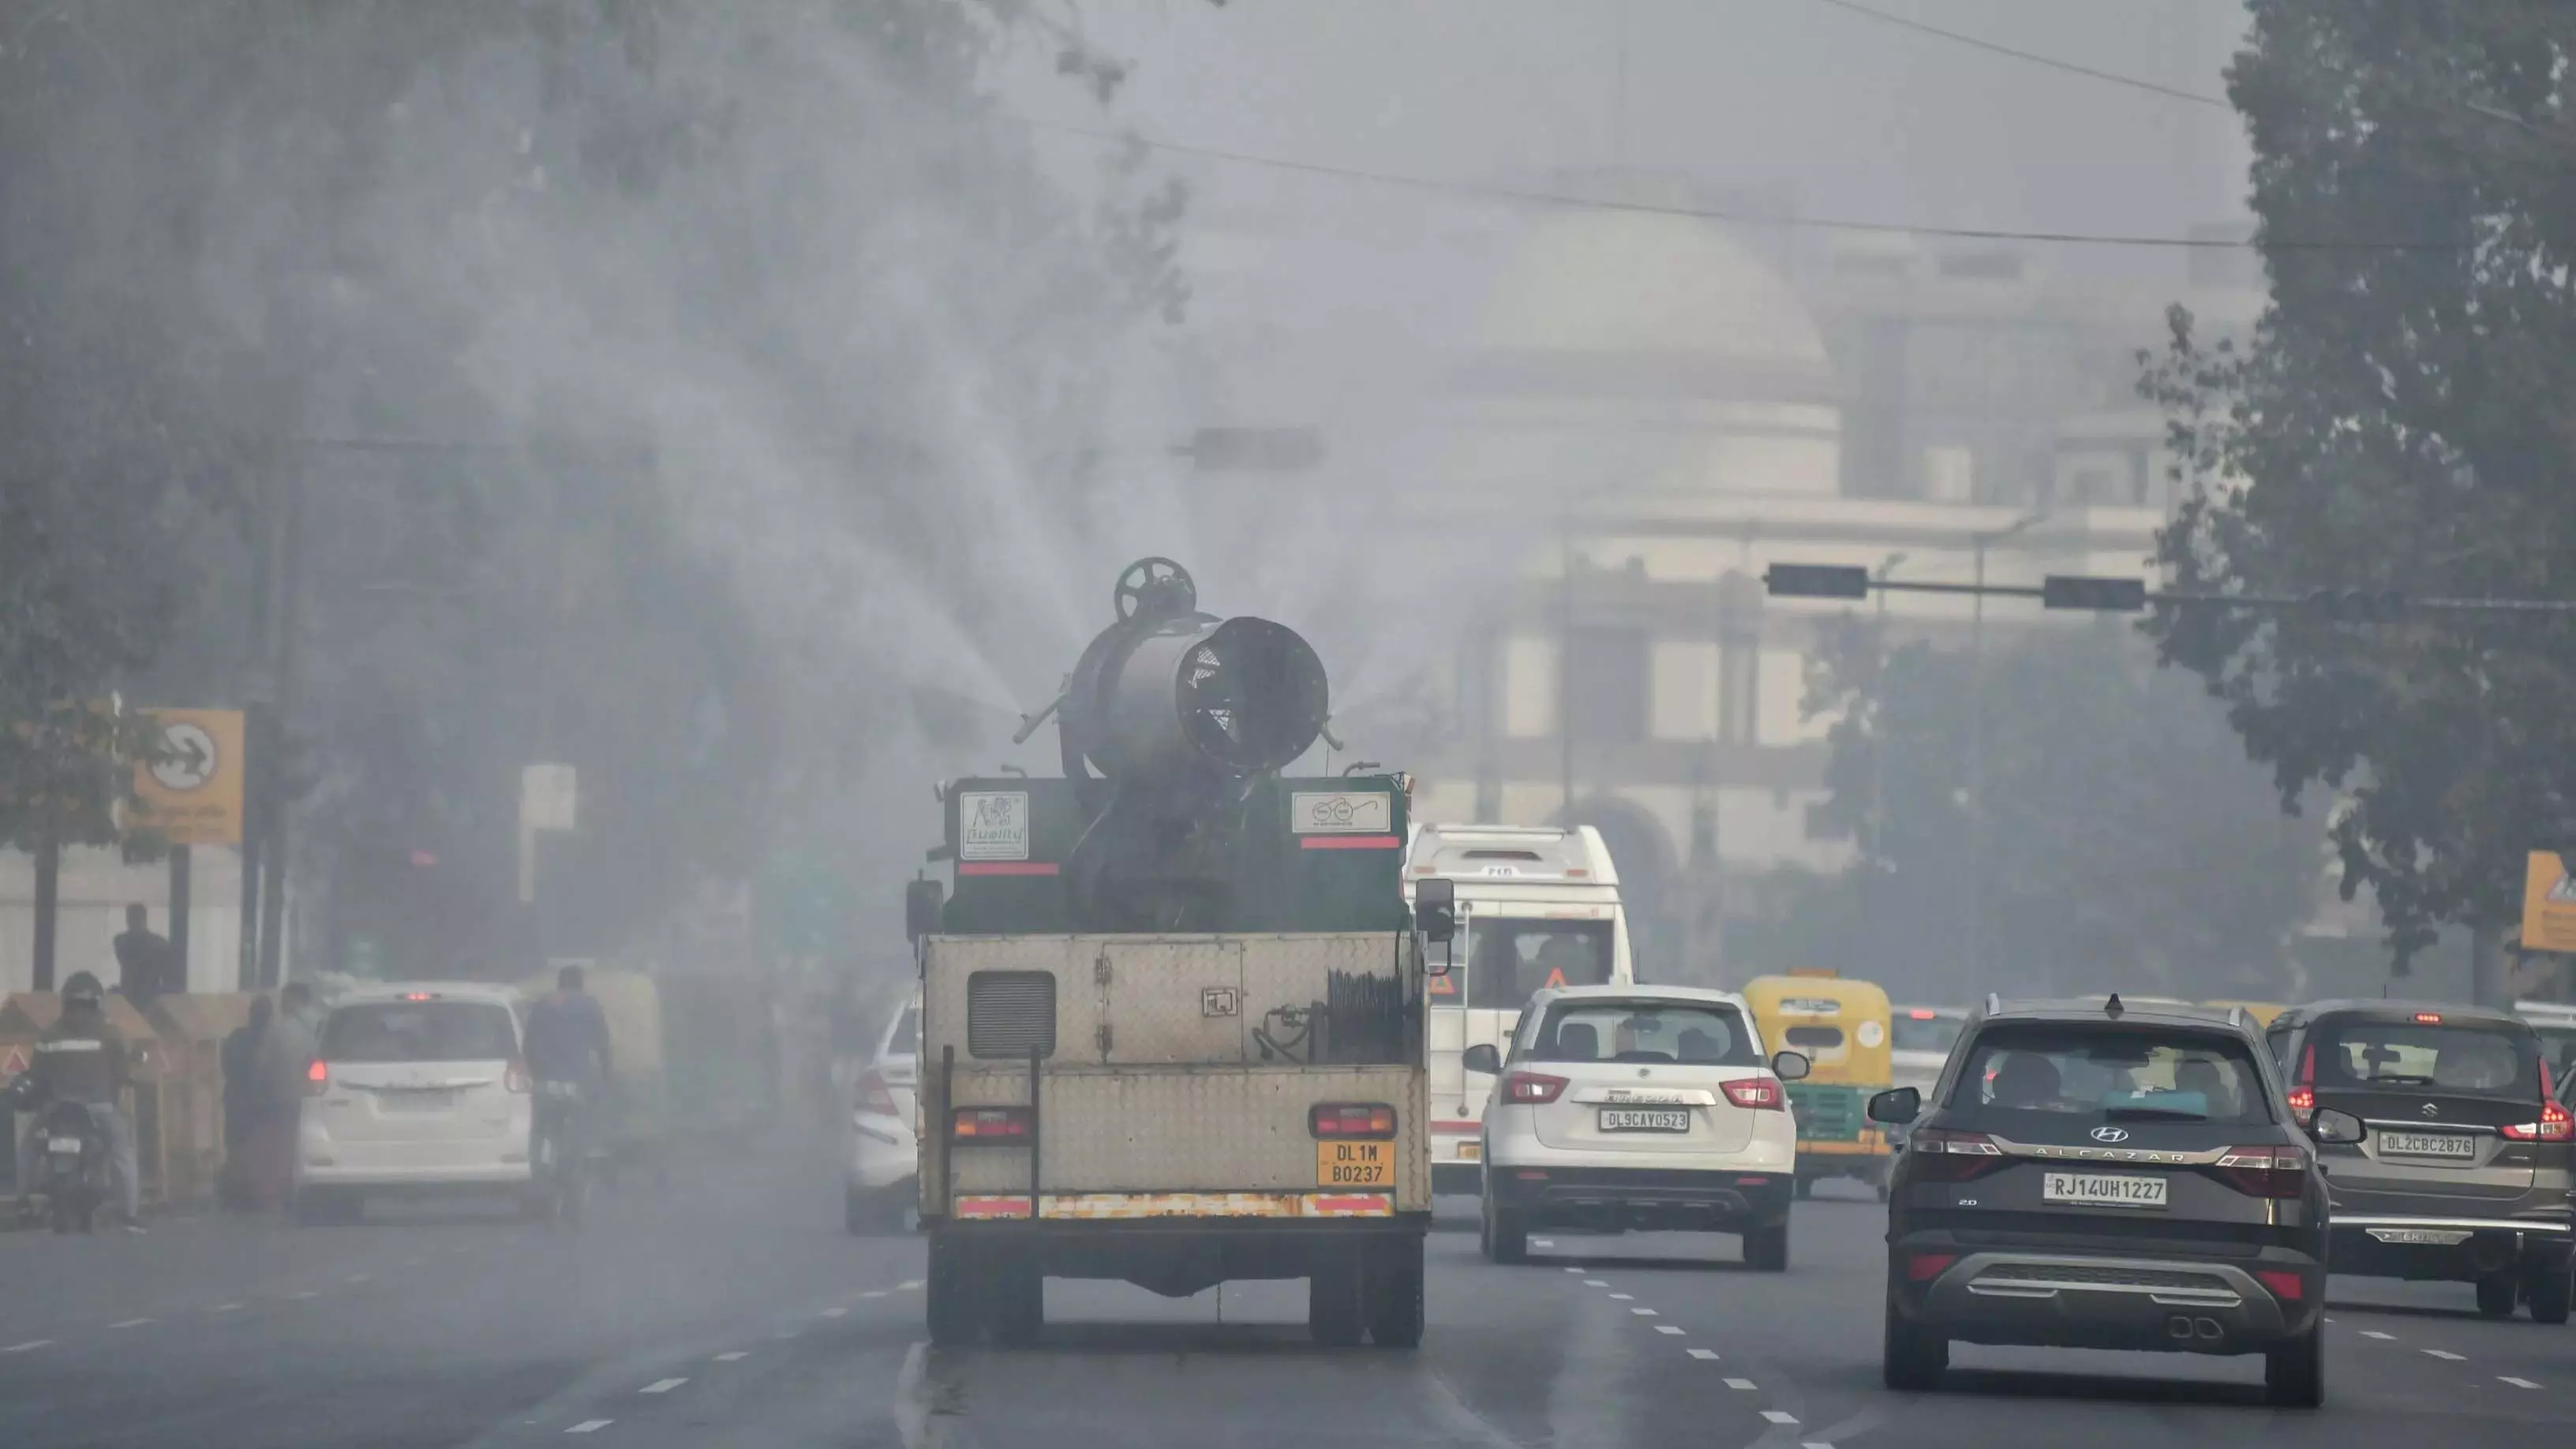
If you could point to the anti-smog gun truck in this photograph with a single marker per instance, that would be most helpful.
(1172, 1010)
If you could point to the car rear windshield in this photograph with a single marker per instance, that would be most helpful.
(2357, 1053)
(1927, 1033)
(905, 1039)
(1700, 1033)
(420, 1031)
(1510, 959)
(2101, 1072)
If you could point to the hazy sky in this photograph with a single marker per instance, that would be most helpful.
(1865, 119)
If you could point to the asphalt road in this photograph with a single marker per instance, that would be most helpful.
(730, 1310)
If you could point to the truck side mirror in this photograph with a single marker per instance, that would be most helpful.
(1435, 909)
(921, 908)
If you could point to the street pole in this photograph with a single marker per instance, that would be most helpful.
(283, 616)
(49, 876)
(1878, 731)
(1565, 668)
(1976, 962)
(182, 887)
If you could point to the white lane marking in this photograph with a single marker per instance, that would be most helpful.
(1542, 1242)
(661, 1386)
(2382, 1337)
(412, 1262)
(2518, 1383)
(223, 1308)
(1574, 1270)
(1666, 1328)
(1623, 1297)
(874, 1293)
(131, 1323)
(1591, 1282)
(734, 1357)
(1644, 1312)
(1704, 1353)
(1739, 1383)
(2444, 1353)
(30, 1346)
(360, 1277)
(2329, 1318)
(1777, 1416)
(590, 1426)
(307, 1293)
(835, 1312)
(907, 1285)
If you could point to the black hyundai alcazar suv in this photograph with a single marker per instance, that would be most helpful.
(2089, 1175)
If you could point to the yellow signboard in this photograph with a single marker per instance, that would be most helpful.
(192, 794)
(2548, 904)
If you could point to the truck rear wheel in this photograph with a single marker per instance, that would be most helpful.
(1336, 1313)
(1395, 1306)
(954, 1293)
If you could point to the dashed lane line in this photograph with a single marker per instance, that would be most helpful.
(131, 1323)
(2517, 1383)
(1667, 1328)
(2446, 1355)
(1542, 1242)
(2382, 1337)
(1623, 1297)
(1708, 1355)
(30, 1346)
(1740, 1384)
(590, 1426)
(907, 1285)
(1779, 1416)
(836, 1312)
(224, 1308)
(734, 1357)
(361, 1277)
(874, 1293)
(1591, 1282)
(661, 1386)
(1574, 1270)
(1645, 1313)
(307, 1293)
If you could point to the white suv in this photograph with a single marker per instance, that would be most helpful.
(1647, 1107)
(883, 1170)
(416, 1087)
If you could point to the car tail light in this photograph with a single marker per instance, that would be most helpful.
(515, 1078)
(2303, 1097)
(872, 1094)
(2285, 1285)
(1531, 1088)
(1759, 1093)
(2554, 1126)
(989, 1124)
(1924, 1267)
(2266, 1171)
(317, 1078)
(1947, 1156)
(1348, 1120)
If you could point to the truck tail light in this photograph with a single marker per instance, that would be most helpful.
(989, 1124)
(1351, 1121)
(1532, 1088)
(2265, 1171)
(1947, 1156)
(872, 1095)
(1761, 1094)
(317, 1078)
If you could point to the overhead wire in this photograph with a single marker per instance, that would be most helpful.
(2200, 98)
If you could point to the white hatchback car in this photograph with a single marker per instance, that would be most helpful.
(416, 1087)
(884, 1163)
(1645, 1107)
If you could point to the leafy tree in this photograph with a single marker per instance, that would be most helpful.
(2128, 844)
(2396, 424)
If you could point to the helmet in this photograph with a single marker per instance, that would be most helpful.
(82, 990)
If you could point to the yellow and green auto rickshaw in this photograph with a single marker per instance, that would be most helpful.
(2261, 1011)
(1842, 1027)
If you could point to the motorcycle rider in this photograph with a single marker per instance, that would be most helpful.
(81, 1058)
(567, 1042)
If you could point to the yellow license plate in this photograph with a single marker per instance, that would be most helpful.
(1470, 1151)
(1355, 1164)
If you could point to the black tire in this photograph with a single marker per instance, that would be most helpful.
(1766, 1250)
(1395, 1301)
(1018, 1305)
(1806, 1187)
(62, 1212)
(2550, 1292)
(953, 1298)
(1882, 1190)
(1336, 1312)
(1505, 1235)
(2294, 1373)
(1913, 1358)
(2497, 1295)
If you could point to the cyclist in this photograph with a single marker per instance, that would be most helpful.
(570, 1062)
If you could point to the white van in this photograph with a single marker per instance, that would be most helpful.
(1538, 908)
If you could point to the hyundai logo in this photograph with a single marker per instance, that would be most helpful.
(2110, 1134)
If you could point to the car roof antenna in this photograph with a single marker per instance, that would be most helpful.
(2113, 1005)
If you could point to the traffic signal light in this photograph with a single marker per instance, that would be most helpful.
(2103, 595)
(1817, 581)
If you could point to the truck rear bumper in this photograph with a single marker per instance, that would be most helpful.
(1107, 1207)
(1179, 1256)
